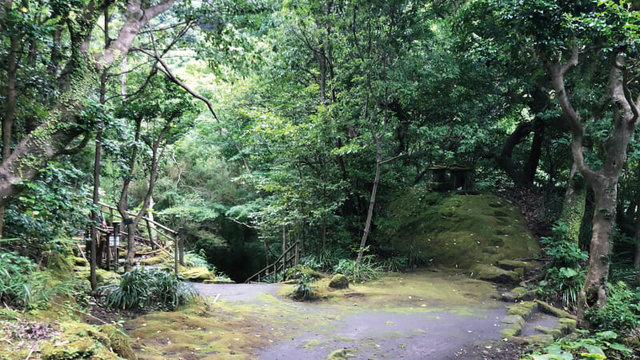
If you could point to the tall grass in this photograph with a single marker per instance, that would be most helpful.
(145, 290)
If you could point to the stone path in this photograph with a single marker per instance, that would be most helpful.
(442, 332)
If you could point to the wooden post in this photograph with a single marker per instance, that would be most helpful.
(297, 256)
(153, 246)
(284, 254)
(175, 254)
(116, 237)
(108, 249)
(181, 238)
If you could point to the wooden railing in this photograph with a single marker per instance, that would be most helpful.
(278, 268)
(113, 230)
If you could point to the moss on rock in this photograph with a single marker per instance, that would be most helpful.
(102, 276)
(523, 309)
(509, 264)
(555, 332)
(494, 274)
(552, 310)
(339, 281)
(537, 340)
(197, 274)
(449, 229)
(156, 260)
(119, 341)
(79, 341)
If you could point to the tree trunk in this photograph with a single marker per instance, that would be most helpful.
(593, 292)
(603, 182)
(372, 201)
(573, 207)
(636, 257)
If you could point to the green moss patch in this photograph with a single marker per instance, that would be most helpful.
(552, 310)
(339, 281)
(456, 230)
(523, 309)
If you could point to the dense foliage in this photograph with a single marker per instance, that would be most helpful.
(254, 125)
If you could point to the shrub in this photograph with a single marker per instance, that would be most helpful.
(303, 291)
(366, 270)
(21, 285)
(621, 313)
(586, 346)
(143, 289)
(565, 273)
(325, 261)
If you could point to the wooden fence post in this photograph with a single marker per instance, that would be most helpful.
(297, 256)
(116, 238)
(181, 237)
(151, 242)
(108, 249)
(175, 254)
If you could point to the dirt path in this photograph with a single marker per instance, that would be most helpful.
(442, 331)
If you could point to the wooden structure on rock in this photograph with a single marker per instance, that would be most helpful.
(448, 178)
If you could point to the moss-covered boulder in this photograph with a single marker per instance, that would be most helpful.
(197, 274)
(78, 341)
(119, 341)
(59, 264)
(494, 274)
(102, 276)
(518, 294)
(509, 264)
(536, 340)
(156, 260)
(459, 230)
(523, 309)
(339, 281)
(80, 261)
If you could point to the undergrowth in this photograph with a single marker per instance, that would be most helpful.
(564, 272)
(586, 346)
(145, 290)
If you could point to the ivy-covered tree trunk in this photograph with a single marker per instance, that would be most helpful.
(573, 206)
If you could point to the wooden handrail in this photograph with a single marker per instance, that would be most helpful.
(278, 264)
(177, 237)
(144, 218)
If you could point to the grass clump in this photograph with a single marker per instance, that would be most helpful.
(143, 290)
(21, 285)
(366, 270)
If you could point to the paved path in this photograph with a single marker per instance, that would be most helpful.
(442, 332)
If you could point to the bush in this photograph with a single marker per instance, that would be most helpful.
(21, 285)
(143, 290)
(366, 270)
(303, 291)
(621, 313)
(587, 346)
(325, 261)
(565, 273)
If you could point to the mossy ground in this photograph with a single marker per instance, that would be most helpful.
(418, 291)
(240, 330)
(459, 230)
(216, 331)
